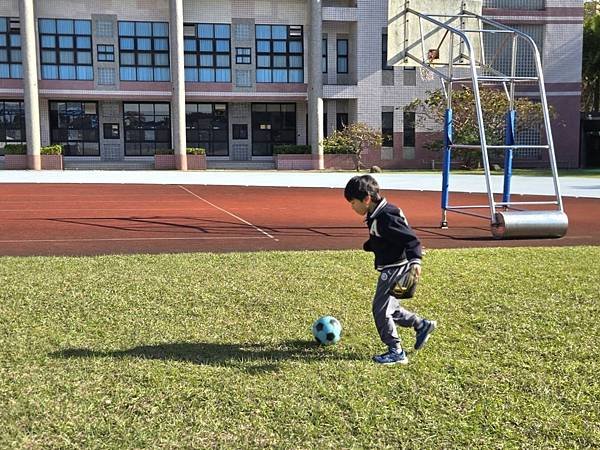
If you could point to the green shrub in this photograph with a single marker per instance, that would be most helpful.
(15, 149)
(51, 150)
(164, 151)
(291, 149)
(336, 148)
(195, 151)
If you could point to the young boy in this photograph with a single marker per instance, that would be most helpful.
(398, 259)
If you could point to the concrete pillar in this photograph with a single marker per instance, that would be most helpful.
(30, 83)
(315, 84)
(178, 84)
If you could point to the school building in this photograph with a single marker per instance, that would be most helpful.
(116, 81)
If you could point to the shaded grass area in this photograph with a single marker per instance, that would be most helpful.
(215, 351)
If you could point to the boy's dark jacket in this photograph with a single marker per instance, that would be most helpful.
(391, 238)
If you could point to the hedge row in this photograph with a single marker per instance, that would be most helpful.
(189, 151)
(21, 149)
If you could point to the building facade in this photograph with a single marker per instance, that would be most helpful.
(118, 81)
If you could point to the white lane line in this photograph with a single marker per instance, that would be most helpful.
(22, 241)
(231, 214)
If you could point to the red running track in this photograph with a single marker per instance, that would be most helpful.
(91, 219)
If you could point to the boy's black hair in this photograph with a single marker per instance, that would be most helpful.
(360, 187)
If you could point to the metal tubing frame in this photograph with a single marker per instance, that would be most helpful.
(499, 146)
(447, 158)
(509, 139)
(542, 86)
(475, 79)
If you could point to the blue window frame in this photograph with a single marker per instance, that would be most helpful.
(208, 53)
(106, 52)
(279, 54)
(66, 49)
(144, 51)
(10, 49)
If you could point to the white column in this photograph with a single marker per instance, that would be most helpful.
(178, 84)
(315, 84)
(30, 83)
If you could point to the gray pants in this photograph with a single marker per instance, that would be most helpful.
(387, 311)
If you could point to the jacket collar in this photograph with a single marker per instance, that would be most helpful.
(377, 210)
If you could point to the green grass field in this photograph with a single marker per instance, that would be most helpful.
(215, 351)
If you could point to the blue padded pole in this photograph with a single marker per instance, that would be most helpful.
(447, 156)
(509, 139)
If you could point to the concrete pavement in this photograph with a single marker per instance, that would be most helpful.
(570, 186)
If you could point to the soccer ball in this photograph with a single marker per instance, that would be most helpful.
(327, 330)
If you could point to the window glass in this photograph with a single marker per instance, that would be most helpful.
(66, 49)
(74, 125)
(279, 54)
(144, 51)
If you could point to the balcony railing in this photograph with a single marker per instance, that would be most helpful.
(515, 4)
(339, 3)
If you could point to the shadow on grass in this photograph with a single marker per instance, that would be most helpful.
(242, 356)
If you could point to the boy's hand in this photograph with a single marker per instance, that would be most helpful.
(417, 271)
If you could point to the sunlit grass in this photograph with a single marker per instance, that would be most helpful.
(215, 351)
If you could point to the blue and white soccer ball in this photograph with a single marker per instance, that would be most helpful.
(327, 330)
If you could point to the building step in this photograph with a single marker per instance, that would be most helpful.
(109, 165)
(241, 165)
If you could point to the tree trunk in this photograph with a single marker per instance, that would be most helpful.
(596, 106)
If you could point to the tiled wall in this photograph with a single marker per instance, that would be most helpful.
(125, 10)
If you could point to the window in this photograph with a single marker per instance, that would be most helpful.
(12, 123)
(279, 54)
(242, 55)
(144, 51)
(106, 52)
(240, 131)
(384, 53)
(75, 126)
(341, 121)
(272, 124)
(409, 129)
(207, 127)
(66, 49)
(342, 56)
(147, 128)
(10, 49)
(387, 129)
(324, 55)
(208, 54)
(409, 76)
(111, 131)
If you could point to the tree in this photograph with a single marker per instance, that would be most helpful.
(495, 105)
(591, 58)
(353, 139)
